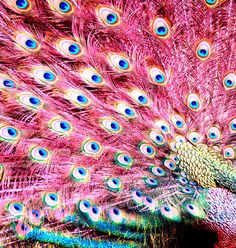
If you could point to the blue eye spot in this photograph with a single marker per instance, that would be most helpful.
(159, 78)
(179, 123)
(81, 171)
(190, 206)
(8, 83)
(171, 165)
(129, 112)
(233, 126)
(49, 76)
(142, 99)
(43, 152)
(194, 104)
(203, 53)
(159, 138)
(94, 146)
(23, 227)
(96, 78)
(228, 82)
(64, 125)
(34, 101)
(64, 6)
(149, 199)
(111, 18)
(194, 139)
(149, 150)
(12, 131)
(31, 44)
(86, 204)
(116, 211)
(123, 64)
(161, 31)
(53, 197)
(74, 49)
(115, 181)
(18, 207)
(164, 128)
(127, 159)
(212, 135)
(139, 193)
(82, 99)
(35, 213)
(211, 1)
(167, 209)
(114, 126)
(95, 210)
(21, 4)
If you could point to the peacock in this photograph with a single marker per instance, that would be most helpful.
(117, 123)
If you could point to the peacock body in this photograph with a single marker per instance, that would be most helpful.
(117, 122)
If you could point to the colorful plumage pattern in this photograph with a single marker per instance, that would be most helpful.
(117, 122)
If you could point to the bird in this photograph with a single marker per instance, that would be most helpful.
(117, 123)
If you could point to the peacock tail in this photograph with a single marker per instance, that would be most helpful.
(117, 122)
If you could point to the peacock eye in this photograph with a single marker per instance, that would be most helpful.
(137, 196)
(30, 101)
(78, 98)
(123, 160)
(35, 217)
(94, 213)
(203, 50)
(44, 75)
(194, 137)
(229, 152)
(92, 148)
(187, 190)
(158, 76)
(84, 206)
(193, 102)
(149, 202)
(39, 154)
(232, 126)
(110, 125)
(170, 212)
(80, 174)
(163, 126)
(229, 81)
(27, 42)
(157, 171)
(174, 158)
(6, 83)
(126, 110)
(195, 210)
(140, 97)
(151, 182)
(178, 122)
(212, 3)
(51, 199)
(213, 134)
(22, 4)
(179, 139)
(147, 150)
(60, 126)
(9, 133)
(69, 48)
(170, 164)
(114, 184)
(119, 63)
(92, 77)
(64, 7)
(16, 208)
(108, 16)
(161, 28)
(157, 138)
(116, 215)
(182, 180)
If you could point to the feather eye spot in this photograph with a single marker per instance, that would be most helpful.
(203, 50)
(119, 63)
(161, 28)
(30, 43)
(7, 83)
(64, 6)
(229, 82)
(22, 4)
(232, 126)
(108, 16)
